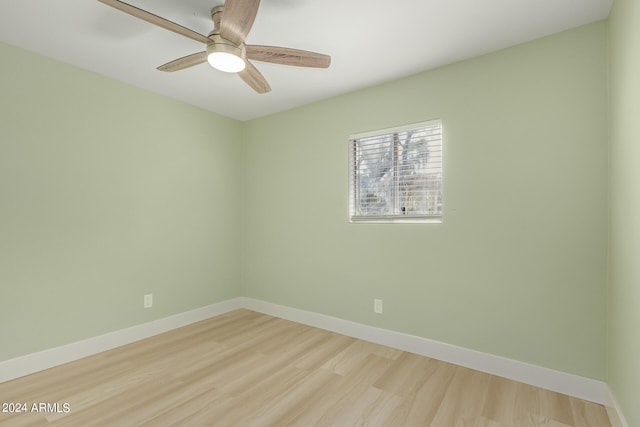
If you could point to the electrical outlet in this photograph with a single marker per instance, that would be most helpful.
(377, 306)
(148, 301)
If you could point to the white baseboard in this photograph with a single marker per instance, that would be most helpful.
(34, 362)
(614, 411)
(561, 382)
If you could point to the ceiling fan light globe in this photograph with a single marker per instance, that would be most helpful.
(227, 62)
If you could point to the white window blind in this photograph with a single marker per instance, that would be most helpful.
(395, 175)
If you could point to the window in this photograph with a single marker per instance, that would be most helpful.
(395, 175)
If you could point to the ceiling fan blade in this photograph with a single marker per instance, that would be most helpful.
(156, 20)
(237, 19)
(287, 56)
(184, 62)
(254, 78)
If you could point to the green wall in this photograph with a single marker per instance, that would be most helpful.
(518, 267)
(624, 291)
(107, 192)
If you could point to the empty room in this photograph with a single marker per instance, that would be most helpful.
(301, 213)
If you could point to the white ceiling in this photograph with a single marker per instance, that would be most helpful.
(370, 41)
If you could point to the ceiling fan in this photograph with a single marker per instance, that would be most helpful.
(226, 49)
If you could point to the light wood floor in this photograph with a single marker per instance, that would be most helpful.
(250, 369)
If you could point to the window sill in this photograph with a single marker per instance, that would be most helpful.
(399, 219)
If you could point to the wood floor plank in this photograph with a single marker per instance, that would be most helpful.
(352, 356)
(420, 406)
(526, 400)
(130, 407)
(250, 369)
(500, 405)
(304, 399)
(485, 422)
(556, 407)
(248, 404)
(337, 395)
(406, 376)
(371, 407)
(588, 414)
(188, 401)
(465, 398)
(330, 345)
(538, 421)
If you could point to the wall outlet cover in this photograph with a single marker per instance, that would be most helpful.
(377, 306)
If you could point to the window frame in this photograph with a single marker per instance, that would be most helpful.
(368, 219)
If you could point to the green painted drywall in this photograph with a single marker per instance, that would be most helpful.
(624, 286)
(107, 192)
(517, 268)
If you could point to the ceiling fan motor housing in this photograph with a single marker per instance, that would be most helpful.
(219, 44)
(216, 17)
